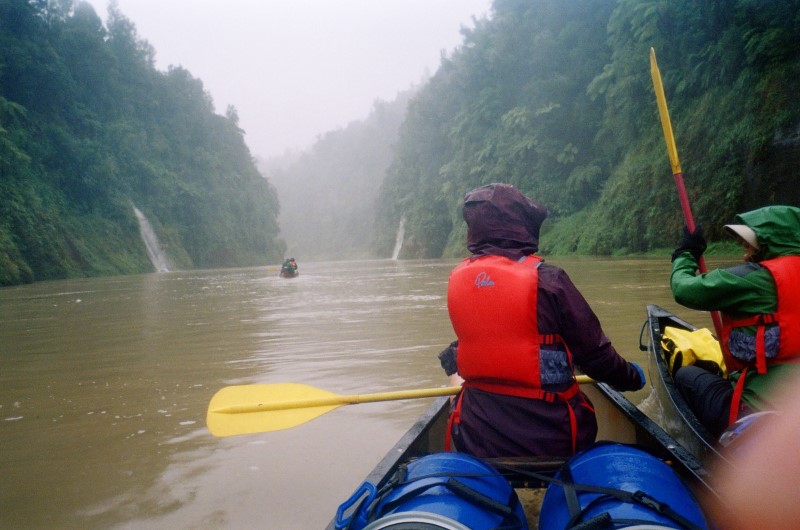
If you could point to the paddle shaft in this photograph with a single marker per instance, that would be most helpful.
(677, 173)
(337, 400)
(352, 399)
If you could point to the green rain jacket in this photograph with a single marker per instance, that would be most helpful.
(746, 289)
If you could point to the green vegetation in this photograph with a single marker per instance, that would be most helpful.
(553, 96)
(89, 128)
(556, 98)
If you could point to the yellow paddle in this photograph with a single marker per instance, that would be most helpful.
(674, 162)
(247, 409)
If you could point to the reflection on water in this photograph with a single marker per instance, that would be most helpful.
(104, 385)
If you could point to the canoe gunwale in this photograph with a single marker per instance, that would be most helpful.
(422, 438)
(652, 436)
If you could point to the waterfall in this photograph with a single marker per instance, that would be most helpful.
(154, 250)
(398, 241)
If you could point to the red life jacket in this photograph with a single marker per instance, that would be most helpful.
(785, 271)
(492, 302)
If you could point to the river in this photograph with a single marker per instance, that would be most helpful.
(105, 384)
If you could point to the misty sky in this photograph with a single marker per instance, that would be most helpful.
(295, 69)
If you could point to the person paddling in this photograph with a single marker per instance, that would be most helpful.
(289, 268)
(759, 302)
(522, 328)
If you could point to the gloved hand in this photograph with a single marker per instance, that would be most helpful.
(641, 376)
(448, 358)
(693, 242)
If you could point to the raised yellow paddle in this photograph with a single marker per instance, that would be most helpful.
(247, 409)
(674, 162)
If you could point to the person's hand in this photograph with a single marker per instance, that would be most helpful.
(641, 376)
(692, 242)
(448, 358)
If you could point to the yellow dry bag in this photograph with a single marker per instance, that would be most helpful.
(683, 348)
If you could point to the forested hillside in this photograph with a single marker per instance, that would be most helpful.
(556, 97)
(89, 129)
(328, 194)
(553, 96)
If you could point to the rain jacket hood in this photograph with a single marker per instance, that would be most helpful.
(777, 229)
(502, 221)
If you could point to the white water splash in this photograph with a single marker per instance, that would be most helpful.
(398, 241)
(154, 251)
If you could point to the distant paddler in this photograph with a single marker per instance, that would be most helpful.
(289, 269)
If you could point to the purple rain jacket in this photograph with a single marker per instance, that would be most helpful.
(502, 221)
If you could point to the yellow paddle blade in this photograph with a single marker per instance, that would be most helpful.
(663, 111)
(247, 409)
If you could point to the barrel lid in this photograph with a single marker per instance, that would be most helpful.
(415, 521)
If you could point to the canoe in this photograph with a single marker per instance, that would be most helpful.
(619, 421)
(286, 273)
(673, 411)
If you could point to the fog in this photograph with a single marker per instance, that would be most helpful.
(295, 69)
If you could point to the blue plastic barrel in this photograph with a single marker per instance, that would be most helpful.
(449, 491)
(627, 468)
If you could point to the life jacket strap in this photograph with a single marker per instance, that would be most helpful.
(760, 322)
(736, 399)
(454, 419)
(518, 391)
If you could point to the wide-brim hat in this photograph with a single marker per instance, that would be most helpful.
(744, 232)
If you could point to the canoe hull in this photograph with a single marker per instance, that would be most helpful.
(675, 415)
(619, 421)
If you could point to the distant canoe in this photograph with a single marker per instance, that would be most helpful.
(289, 269)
